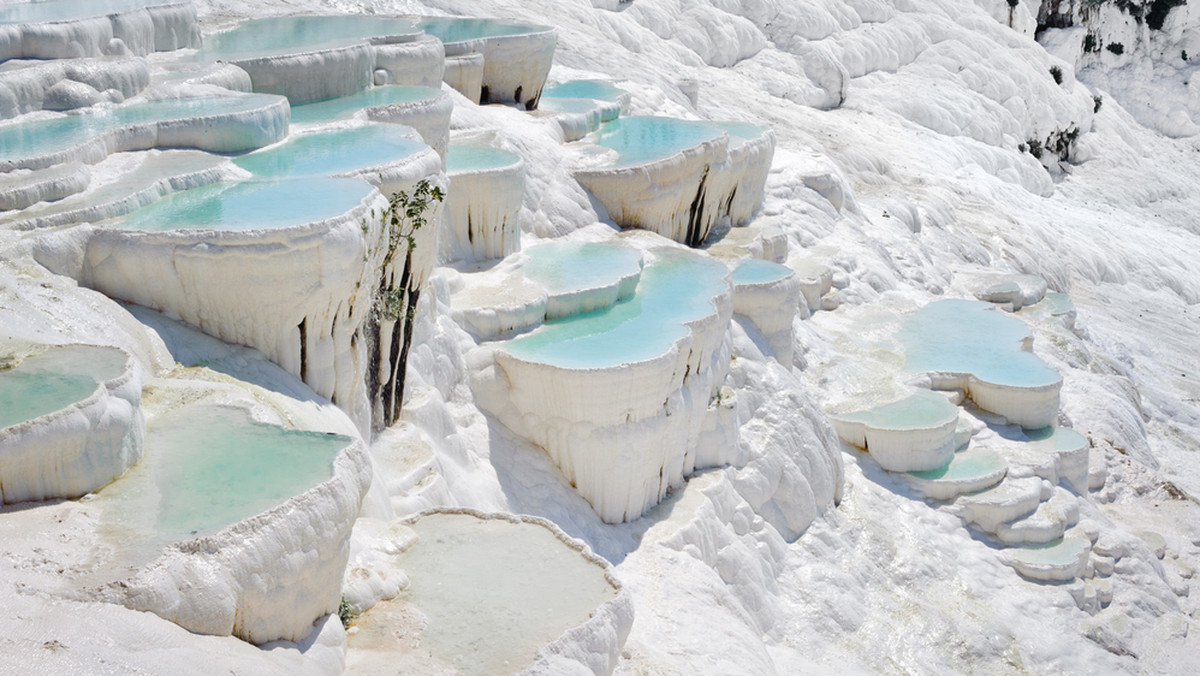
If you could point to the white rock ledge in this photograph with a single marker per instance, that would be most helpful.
(136, 30)
(770, 300)
(483, 204)
(298, 294)
(265, 578)
(913, 434)
(65, 85)
(515, 66)
(82, 447)
(622, 433)
(684, 195)
(257, 122)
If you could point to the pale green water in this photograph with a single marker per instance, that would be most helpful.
(1059, 303)
(676, 287)
(30, 139)
(453, 29)
(922, 410)
(470, 157)
(740, 132)
(345, 106)
(279, 35)
(63, 10)
(639, 140)
(1050, 439)
(331, 152)
(565, 267)
(55, 379)
(208, 466)
(966, 336)
(601, 90)
(758, 271)
(495, 591)
(567, 105)
(972, 463)
(1056, 552)
(250, 205)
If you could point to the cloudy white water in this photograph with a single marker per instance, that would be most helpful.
(902, 165)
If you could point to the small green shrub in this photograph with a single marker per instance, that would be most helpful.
(1116, 48)
(1097, 101)
(1089, 44)
(345, 614)
(1056, 73)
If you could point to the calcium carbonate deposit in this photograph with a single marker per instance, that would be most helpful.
(599, 337)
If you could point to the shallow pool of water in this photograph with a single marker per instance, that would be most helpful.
(55, 379)
(968, 464)
(601, 90)
(345, 106)
(209, 466)
(336, 151)
(966, 336)
(472, 157)
(921, 410)
(675, 287)
(250, 205)
(639, 140)
(65, 10)
(1053, 439)
(31, 139)
(495, 591)
(566, 267)
(758, 271)
(274, 36)
(455, 29)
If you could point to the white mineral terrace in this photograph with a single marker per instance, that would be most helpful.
(228, 123)
(231, 524)
(583, 277)
(679, 178)
(312, 58)
(493, 594)
(618, 397)
(966, 345)
(516, 57)
(483, 203)
(70, 84)
(70, 420)
(768, 294)
(916, 433)
(63, 29)
(580, 106)
(425, 109)
(970, 470)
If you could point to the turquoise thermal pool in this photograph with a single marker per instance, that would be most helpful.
(495, 591)
(331, 152)
(55, 379)
(758, 271)
(275, 36)
(922, 410)
(600, 90)
(675, 288)
(40, 137)
(969, 464)
(1055, 439)
(65, 10)
(345, 106)
(251, 205)
(1059, 303)
(740, 132)
(1063, 551)
(471, 157)
(208, 466)
(568, 267)
(639, 140)
(964, 336)
(454, 29)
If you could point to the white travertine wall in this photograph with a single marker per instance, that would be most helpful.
(266, 578)
(621, 435)
(771, 306)
(464, 73)
(65, 85)
(314, 75)
(683, 196)
(482, 213)
(249, 129)
(78, 449)
(514, 66)
(136, 31)
(429, 117)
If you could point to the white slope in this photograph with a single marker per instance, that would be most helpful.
(898, 166)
